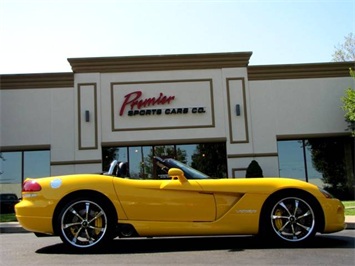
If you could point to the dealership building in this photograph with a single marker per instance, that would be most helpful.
(210, 110)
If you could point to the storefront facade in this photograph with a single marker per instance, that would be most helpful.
(211, 110)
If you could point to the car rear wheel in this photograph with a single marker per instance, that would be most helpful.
(290, 219)
(85, 224)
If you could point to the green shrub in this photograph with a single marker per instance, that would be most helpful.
(254, 170)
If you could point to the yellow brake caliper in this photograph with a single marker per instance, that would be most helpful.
(98, 225)
(278, 221)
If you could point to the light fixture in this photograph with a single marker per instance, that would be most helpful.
(237, 109)
(87, 116)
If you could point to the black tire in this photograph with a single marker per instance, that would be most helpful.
(85, 224)
(289, 219)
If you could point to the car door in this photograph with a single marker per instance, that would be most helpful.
(165, 200)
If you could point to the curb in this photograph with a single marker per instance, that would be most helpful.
(350, 226)
(14, 227)
(350, 222)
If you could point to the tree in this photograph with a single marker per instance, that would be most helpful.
(346, 51)
(349, 106)
(254, 170)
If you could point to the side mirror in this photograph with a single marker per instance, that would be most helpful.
(176, 173)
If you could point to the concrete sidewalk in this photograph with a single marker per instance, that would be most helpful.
(14, 227)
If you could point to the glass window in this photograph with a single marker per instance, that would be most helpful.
(325, 162)
(11, 168)
(113, 153)
(121, 154)
(165, 151)
(17, 166)
(141, 160)
(313, 176)
(187, 151)
(334, 159)
(36, 164)
(210, 158)
(147, 164)
(136, 162)
(291, 162)
(295, 161)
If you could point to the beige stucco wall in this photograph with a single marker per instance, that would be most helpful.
(34, 118)
(286, 109)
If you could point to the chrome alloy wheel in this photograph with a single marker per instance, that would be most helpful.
(83, 224)
(293, 219)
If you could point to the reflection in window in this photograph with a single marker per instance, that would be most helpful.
(165, 151)
(295, 161)
(136, 162)
(290, 159)
(113, 153)
(312, 174)
(209, 158)
(188, 151)
(325, 162)
(36, 164)
(11, 168)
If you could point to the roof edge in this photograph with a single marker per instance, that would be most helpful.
(159, 62)
(39, 80)
(300, 71)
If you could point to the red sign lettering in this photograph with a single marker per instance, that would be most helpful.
(133, 100)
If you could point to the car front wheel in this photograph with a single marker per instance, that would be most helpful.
(85, 224)
(290, 219)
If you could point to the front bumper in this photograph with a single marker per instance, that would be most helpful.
(334, 215)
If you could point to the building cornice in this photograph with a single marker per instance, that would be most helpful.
(174, 62)
(35, 81)
(300, 71)
(159, 62)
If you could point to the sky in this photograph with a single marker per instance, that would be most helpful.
(38, 36)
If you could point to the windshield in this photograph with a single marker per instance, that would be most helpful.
(189, 172)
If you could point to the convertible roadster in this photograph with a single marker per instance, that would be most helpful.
(88, 210)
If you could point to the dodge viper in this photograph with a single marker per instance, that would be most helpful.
(88, 210)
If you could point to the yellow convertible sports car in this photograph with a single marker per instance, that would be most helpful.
(88, 210)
